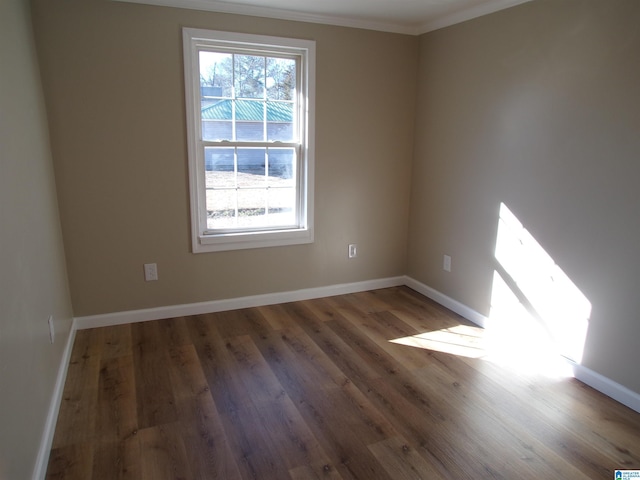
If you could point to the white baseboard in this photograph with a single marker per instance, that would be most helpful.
(134, 316)
(453, 305)
(607, 386)
(42, 459)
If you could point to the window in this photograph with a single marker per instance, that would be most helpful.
(250, 103)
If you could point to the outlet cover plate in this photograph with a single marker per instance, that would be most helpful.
(150, 272)
(446, 264)
(52, 332)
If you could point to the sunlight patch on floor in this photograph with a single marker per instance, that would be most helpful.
(461, 340)
(512, 339)
(553, 300)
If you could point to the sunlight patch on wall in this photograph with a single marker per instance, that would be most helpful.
(517, 340)
(546, 293)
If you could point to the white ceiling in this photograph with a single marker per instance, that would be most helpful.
(401, 16)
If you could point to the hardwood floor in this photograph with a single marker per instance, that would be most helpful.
(317, 389)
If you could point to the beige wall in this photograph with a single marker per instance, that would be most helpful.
(33, 283)
(537, 106)
(114, 84)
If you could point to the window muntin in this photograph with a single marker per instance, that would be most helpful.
(250, 139)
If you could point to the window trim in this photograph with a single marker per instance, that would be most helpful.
(268, 237)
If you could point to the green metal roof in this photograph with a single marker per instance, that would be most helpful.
(249, 111)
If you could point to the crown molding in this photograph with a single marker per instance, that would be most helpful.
(237, 9)
(468, 14)
(250, 10)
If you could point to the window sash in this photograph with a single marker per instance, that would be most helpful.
(297, 205)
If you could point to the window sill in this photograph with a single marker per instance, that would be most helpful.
(240, 241)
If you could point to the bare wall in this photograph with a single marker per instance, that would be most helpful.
(33, 281)
(114, 86)
(536, 106)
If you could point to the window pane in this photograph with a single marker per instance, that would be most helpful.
(252, 207)
(251, 167)
(282, 167)
(217, 119)
(218, 165)
(280, 121)
(216, 130)
(221, 208)
(281, 78)
(250, 132)
(280, 132)
(249, 76)
(216, 74)
(282, 206)
(250, 117)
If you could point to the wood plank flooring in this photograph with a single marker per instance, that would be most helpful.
(317, 390)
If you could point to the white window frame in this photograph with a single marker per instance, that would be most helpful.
(206, 241)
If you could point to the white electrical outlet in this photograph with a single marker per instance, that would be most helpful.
(150, 272)
(52, 332)
(353, 250)
(446, 264)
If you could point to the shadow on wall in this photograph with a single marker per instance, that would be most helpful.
(538, 316)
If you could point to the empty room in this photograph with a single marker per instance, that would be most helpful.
(277, 239)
